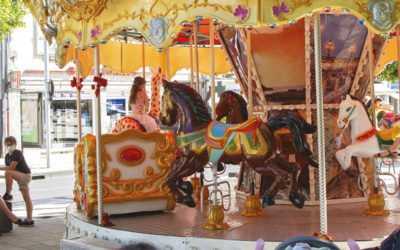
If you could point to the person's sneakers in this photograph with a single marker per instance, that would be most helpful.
(18, 222)
(26, 223)
(7, 197)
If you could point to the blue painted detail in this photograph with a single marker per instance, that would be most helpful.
(218, 129)
(217, 153)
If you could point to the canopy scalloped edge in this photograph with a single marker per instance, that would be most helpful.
(86, 23)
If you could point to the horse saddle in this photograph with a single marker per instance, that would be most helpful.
(385, 138)
(218, 133)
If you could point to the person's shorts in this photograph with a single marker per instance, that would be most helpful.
(24, 180)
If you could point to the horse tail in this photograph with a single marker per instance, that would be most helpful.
(297, 126)
(308, 128)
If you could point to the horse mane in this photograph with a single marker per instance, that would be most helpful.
(363, 104)
(242, 104)
(192, 99)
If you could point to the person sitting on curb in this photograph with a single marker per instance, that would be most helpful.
(17, 169)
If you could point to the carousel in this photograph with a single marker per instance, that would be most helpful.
(300, 131)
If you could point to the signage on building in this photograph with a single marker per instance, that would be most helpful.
(15, 79)
(71, 71)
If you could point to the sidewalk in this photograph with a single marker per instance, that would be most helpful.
(45, 235)
(61, 162)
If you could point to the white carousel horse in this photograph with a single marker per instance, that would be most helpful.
(366, 140)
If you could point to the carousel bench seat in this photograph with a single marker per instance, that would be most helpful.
(135, 168)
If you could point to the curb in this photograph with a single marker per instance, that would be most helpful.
(42, 175)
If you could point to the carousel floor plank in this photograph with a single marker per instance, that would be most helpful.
(279, 223)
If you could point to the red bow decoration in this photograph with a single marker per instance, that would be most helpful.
(101, 82)
(76, 84)
(105, 221)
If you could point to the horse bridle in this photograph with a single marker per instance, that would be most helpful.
(347, 118)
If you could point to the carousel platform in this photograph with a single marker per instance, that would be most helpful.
(182, 228)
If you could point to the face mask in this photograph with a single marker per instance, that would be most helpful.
(10, 149)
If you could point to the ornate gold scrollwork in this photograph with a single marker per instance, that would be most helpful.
(83, 9)
(150, 186)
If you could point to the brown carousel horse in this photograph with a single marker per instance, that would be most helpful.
(201, 140)
(234, 107)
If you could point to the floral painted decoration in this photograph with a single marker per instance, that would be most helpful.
(282, 9)
(95, 32)
(323, 236)
(80, 36)
(242, 12)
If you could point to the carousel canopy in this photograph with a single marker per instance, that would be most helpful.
(126, 58)
(389, 55)
(86, 23)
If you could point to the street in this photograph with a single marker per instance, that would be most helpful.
(50, 196)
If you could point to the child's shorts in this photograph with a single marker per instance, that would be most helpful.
(24, 180)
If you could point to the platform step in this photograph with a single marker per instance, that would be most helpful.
(85, 243)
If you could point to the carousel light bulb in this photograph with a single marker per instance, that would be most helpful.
(199, 18)
(346, 11)
(215, 21)
(384, 35)
(174, 35)
(92, 46)
(103, 41)
(249, 27)
(327, 9)
(272, 26)
(159, 50)
(361, 21)
(292, 22)
(123, 29)
(309, 14)
(185, 23)
(112, 33)
(68, 41)
(231, 26)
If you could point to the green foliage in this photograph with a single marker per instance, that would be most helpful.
(390, 73)
(12, 13)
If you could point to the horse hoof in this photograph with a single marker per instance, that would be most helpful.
(186, 187)
(268, 201)
(188, 201)
(220, 167)
(297, 199)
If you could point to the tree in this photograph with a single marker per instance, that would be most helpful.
(390, 73)
(12, 13)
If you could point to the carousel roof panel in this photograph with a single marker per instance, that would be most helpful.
(123, 58)
(88, 22)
